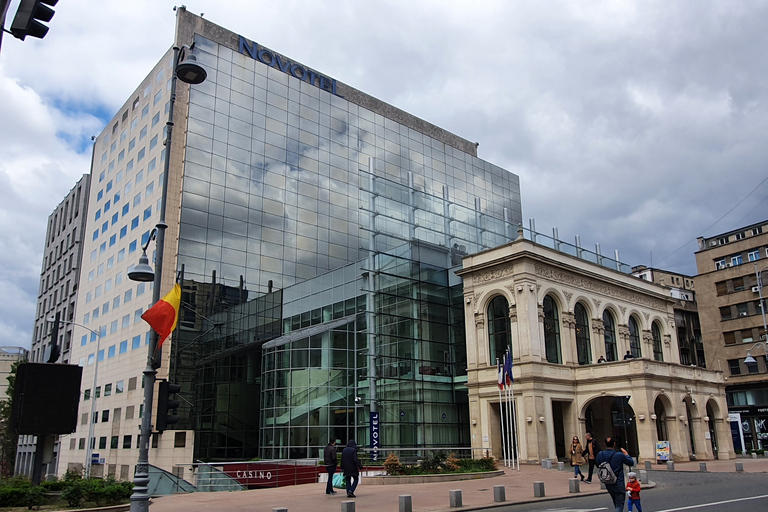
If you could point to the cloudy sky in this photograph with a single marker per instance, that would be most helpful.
(639, 125)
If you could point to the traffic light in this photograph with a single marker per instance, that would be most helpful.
(165, 404)
(28, 18)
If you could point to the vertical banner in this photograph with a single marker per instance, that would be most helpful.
(375, 438)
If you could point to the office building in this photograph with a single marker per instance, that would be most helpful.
(301, 212)
(730, 298)
(57, 298)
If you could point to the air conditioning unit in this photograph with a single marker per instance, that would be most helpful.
(755, 289)
(713, 243)
(729, 264)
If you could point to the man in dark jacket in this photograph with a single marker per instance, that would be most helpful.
(330, 462)
(351, 467)
(617, 459)
(591, 454)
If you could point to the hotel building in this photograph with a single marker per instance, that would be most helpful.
(312, 227)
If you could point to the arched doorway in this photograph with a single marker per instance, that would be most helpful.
(662, 415)
(613, 416)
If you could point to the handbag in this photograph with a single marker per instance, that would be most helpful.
(339, 482)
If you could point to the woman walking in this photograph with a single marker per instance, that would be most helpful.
(577, 457)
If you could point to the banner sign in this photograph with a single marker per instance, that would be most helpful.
(662, 451)
(375, 436)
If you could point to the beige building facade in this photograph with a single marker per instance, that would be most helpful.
(560, 315)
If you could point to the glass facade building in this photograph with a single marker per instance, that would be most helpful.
(313, 228)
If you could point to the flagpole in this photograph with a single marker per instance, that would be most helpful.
(508, 387)
(500, 379)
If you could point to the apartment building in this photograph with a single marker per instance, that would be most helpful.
(729, 296)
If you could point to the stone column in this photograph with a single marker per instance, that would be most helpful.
(568, 349)
(598, 339)
(724, 439)
(622, 343)
(646, 344)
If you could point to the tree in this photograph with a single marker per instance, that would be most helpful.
(8, 438)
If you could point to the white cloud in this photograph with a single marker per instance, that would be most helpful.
(633, 124)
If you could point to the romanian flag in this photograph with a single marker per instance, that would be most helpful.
(162, 317)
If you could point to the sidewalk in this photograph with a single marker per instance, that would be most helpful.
(425, 497)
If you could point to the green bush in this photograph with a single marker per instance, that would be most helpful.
(53, 485)
(13, 496)
(73, 494)
(35, 497)
(17, 481)
(477, 465)
(434, 462)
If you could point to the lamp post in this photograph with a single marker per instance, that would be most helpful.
(89, 447)
(186, 68)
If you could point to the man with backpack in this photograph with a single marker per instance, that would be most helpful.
(610, 470)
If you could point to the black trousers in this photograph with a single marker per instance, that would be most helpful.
(591, 468)
(330, 470)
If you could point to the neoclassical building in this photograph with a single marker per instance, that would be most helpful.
(559, 314)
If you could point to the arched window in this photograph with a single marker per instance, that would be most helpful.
(582, 334)
(634, 338)
(658, 353)
(551, 331)
(611, 353)
(498, 328)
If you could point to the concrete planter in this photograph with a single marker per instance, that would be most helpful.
(425, 479)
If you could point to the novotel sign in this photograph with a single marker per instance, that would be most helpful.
(274, 60)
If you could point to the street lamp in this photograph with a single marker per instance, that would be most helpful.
(91, 442)
(186, 68)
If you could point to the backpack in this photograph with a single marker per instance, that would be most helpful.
(605, 472)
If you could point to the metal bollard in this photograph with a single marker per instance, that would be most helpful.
(703, 467)
(573, 485)
(754, 455)
(549, 463)
(347, 506)
(455, 498)
(643, 476)
(670, 465)
(602, 486)
(406, 503)
(739, 467)
(499, 493)
(561, 466)
(648, 465)
(538, 490)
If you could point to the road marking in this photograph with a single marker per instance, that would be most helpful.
(715, 503)
(575, 509)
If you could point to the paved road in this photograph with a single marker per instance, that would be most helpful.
(708, 492)
(685, 487)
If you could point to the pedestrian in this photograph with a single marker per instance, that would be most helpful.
(577, 457)
(616, 459)
(330, 461)
(351, 466)
(601, 359)
(590, 454)
(628, 355)
(633, 492)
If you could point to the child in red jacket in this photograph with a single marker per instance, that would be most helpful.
(633, 492)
